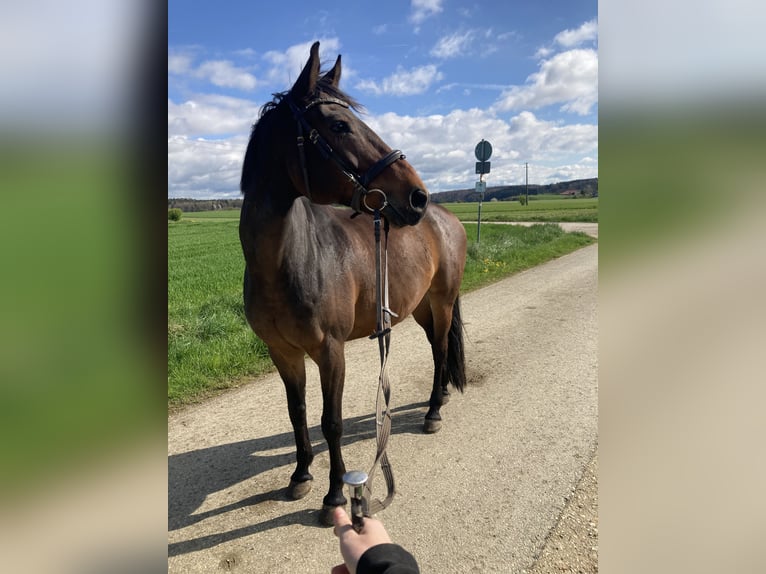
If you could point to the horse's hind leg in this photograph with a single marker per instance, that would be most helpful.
(435, 320)
(292, 369)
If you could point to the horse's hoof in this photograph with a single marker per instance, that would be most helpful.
(445, 397)
(431, 426)
(297, 490)
(325, 515)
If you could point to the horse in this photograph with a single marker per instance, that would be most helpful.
(309, 283)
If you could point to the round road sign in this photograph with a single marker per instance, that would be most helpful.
(483, 150)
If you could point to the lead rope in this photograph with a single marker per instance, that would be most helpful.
(382, 402)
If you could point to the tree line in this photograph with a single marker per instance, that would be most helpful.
(582, 187)
(190, 205)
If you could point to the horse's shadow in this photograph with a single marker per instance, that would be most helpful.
(194, 475)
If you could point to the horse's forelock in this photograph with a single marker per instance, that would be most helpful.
(325, 87)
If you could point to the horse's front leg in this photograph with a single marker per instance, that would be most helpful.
(292, 369)
(332, 372)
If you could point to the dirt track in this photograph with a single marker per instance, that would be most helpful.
(486, 494)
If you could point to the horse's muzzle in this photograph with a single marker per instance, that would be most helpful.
(399, 214)
(418, 200)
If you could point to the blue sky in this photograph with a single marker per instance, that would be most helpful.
(435, 77)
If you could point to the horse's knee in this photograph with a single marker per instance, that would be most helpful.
(332, 427)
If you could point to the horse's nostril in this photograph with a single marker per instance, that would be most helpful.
(418, 199)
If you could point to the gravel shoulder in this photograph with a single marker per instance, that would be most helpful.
(572, 545)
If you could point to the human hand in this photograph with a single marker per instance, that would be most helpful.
(352, 543)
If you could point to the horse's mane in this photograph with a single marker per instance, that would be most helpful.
(253, 164)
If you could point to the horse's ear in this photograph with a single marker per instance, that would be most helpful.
(307, 81)
(333, 76)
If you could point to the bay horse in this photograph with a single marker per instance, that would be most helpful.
(309, 282)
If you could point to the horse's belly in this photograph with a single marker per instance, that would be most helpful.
(300, 321)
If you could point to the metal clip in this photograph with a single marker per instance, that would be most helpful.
(356, 481)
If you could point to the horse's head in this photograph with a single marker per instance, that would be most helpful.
(339, 159)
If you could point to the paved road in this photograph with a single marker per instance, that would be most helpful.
(482, 495)
(586, 227)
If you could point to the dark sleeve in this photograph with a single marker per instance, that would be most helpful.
(387, 559)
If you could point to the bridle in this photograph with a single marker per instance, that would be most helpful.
(360, 182)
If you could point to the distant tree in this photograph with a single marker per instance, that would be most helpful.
(174, 214)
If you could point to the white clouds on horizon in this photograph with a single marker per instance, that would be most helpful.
(204, 169)
(439, 146)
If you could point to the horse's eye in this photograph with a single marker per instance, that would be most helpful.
(340, 127)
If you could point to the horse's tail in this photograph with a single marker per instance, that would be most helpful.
(455, 350)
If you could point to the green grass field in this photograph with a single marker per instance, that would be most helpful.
(210, 345)
(585, 210)
(542, 208)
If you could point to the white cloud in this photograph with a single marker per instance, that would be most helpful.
(179, 64)
(569, 78)
(404, 82)
(285, 67)
(547, 141)
(423, 9)
(571, 38)
(226, 75)
(280, 69)
(208, 115)
(205, 169)
(453, 45)
(441, 147)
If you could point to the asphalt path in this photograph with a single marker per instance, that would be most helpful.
(482, 495)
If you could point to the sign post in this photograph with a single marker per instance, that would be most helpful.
(483, 152)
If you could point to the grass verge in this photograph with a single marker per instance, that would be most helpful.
(508, 249)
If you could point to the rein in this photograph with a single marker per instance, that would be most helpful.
(382, 402)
